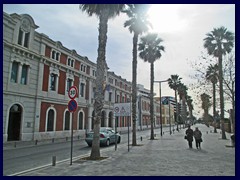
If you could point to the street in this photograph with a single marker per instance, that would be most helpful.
(20, 159)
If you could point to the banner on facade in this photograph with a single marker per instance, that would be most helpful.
(122, 109)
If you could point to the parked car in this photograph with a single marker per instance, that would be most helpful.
(107, 137)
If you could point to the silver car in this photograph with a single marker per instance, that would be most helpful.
(107, 136)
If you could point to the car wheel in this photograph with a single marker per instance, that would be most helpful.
(119, 140)
(107, 142)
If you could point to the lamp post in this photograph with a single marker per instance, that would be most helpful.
(160, 100)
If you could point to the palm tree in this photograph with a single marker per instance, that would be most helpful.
(206, 104)
(190, 107)
(173, 83)
(103, 12)
(212, 76)
(219, 42)
(137, 24)
(150, 50)
(182, 92)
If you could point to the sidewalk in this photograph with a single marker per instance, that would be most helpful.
(166, 156)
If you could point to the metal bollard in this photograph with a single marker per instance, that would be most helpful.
(207, 132)
(78, 137)
(52, 140)
(141, 138)
(15, 144)
(36, 142)
(54, 161)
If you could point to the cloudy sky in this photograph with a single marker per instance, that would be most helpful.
(181, 26)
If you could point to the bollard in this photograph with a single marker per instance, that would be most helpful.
(141, 138)
(36, 142)
(207, 132)
(54, 161)
(52, 140)
(78, 137)
(15, 144)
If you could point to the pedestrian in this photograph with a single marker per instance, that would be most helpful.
(198, 137)
(189, 136)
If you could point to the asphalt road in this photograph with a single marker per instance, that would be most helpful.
(25, 158)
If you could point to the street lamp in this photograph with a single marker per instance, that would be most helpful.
(160, 102)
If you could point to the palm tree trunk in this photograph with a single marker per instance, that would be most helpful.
(134, 88)
(151, 101)
(100, 89)
(221, 97)
(176, 108)
(214, 108)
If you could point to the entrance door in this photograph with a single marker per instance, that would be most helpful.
(14, 123)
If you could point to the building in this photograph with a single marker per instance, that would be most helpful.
(37, 75)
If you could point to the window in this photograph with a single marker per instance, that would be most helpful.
(80, 121)
(83, 68)
(24, 74)
(50, 120)
(23, 38)
(67, 121)
(53, 83)
(82, 86)
(94, 73)
(69, 83)
(55, 55)
(70, 62)
(110, 96)
(14, 73)
(110, 80)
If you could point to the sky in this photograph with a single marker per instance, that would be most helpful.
(182, 27)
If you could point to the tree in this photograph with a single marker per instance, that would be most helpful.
(103, 12)
(206, 104)
(212, 76)
(150, 50)
(229, 83)
(190, 107)
(173, 83)
(137, 24)
(182, 92)
(219, 42)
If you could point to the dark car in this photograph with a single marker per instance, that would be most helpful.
(107, 136)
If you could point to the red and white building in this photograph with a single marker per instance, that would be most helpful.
(37, 74)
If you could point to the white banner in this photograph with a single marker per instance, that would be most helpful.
(122, 109)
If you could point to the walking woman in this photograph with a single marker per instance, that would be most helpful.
(198, 137)
(189, 136)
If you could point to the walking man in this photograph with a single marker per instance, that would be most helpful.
(198, 137)
(189, 134)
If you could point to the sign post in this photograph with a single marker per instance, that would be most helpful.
(72, 106)
(122, 109)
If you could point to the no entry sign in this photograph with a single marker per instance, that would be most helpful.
(72, 93)
(72, 105)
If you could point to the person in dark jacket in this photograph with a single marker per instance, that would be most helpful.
(198, 137)
(189, 134)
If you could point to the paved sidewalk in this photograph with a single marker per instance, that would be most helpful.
(166, 156)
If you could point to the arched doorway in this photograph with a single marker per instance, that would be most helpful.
(14, 122)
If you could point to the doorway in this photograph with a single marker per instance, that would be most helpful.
(14, 123)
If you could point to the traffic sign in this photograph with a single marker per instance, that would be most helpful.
(72, 105)
(72, 93)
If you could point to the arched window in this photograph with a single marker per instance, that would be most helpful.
(67, 121)
(80, 121)
(50, 120)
